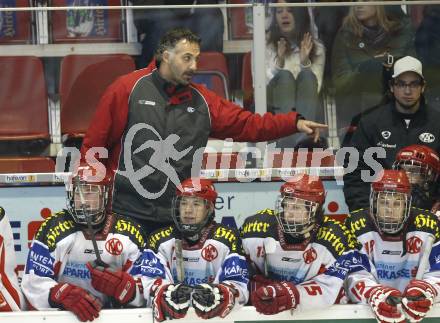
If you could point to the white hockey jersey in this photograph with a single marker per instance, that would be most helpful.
(61, 250)
(318, 265)
(11, 298)
(393, 260)
(217, 257)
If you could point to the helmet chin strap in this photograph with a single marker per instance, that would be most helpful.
(96, 227)
(194, 235)
(305, 234)
(193, 238)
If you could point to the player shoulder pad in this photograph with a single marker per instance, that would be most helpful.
(156, 238)
(425, 221)
(335, 237)
(228, 236)
(55, 228)
(359, 222)
(130, 228)
(261, 225)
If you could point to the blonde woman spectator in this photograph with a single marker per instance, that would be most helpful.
(364, 50)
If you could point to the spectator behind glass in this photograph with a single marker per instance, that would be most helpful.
(326, 22)
(294, 66)
(405, 120)
(363, 51)
(152, 25)
(428, 49)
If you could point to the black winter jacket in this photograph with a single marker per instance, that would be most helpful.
(385, 127)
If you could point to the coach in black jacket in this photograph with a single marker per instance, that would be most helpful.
(404, 121)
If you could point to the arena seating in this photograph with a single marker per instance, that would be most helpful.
(237, 22)
(83, 80)
(213, 73)
(24, 129)
(10, 165)
(247, 82)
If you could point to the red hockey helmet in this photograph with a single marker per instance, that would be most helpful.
(392, 180)
(421, 164)
(199, 187)
(299, 204)
(88, 195)
(390, 200)
(304, 186)
(201, 214)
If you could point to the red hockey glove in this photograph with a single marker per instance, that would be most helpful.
(258, 281)
(75, 299)
(211, 300)
(117, 284)
(171, 301)
(276, 297)
(418, 299)
(383, 301)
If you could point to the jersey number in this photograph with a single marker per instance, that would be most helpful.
(312, 288)
(358, 290)
(369, 246)
(260, 251)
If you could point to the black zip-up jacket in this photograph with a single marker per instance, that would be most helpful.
(385, 127)
(154, 131)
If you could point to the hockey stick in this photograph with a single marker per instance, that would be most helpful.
(269, 246)
(179, 267)
(424, 261)
(179, 260)
(98, 261)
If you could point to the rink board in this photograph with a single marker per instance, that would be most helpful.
(336, 313)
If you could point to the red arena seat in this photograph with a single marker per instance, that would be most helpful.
(237, 18)
(25, 127)
(302, 159)
(222, 161)
(213, 73)
(26, 165)
(83, 80)
(247, 81)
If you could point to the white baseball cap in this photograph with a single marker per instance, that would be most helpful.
(407, 64)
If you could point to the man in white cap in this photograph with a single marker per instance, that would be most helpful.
(404, 121)
(408, 84)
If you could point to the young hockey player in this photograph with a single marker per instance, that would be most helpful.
(11, 298)
(422, 166)
(196, 262)
(394, 236)
(63, 270)
(304, 258)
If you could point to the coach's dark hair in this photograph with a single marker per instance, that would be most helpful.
(172, 37)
